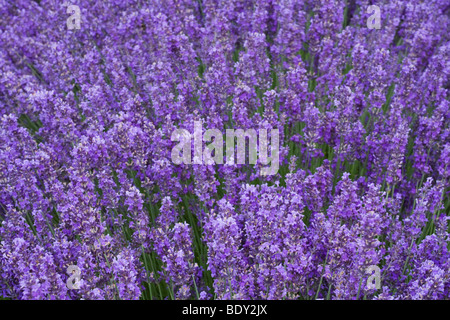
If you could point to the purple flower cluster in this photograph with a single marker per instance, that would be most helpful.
(86, 176)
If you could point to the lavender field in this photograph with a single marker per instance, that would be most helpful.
(100, 199)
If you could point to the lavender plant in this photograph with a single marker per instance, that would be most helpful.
(88, 108)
